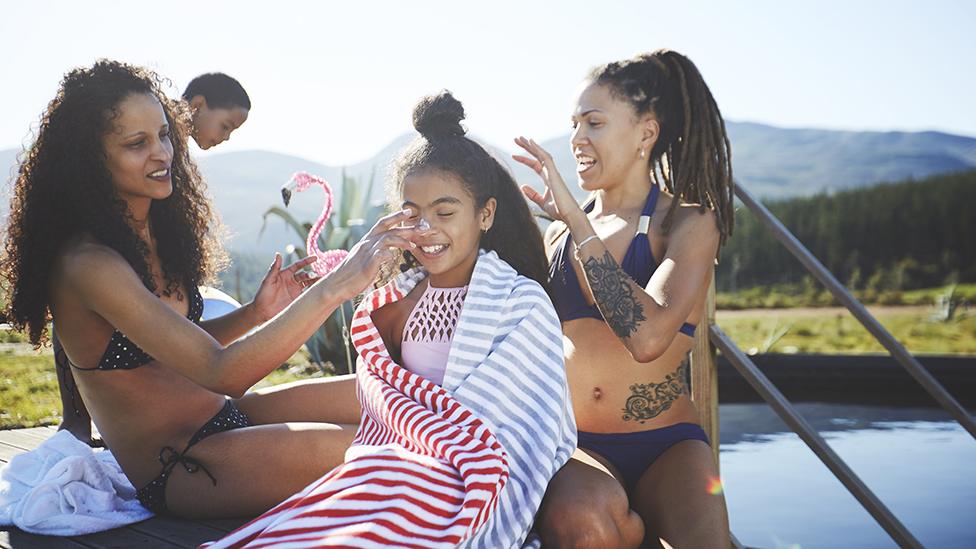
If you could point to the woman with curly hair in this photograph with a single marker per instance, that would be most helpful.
(630, 272)
(109, 236)
(218, 105)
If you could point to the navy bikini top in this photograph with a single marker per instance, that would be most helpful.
(638, 262)
(123, 354)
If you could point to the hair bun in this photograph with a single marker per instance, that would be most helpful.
(439, 116)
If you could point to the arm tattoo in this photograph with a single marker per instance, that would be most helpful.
(614, 295)
(649, 400)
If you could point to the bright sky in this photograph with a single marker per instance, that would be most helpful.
(335, 81)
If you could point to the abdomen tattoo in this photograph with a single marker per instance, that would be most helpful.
(649, 400)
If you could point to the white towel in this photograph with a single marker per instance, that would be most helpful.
(64, 488)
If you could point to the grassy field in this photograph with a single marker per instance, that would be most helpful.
(29, 388)
(812, 294)
(835, 331)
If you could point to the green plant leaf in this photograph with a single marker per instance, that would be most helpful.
(350, 198)
(373, 214)
(279, 212)
(326, 233)
(368, 197)
(339, 240)
(774, 336)
(356, 233)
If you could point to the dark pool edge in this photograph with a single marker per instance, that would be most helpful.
(851, 379)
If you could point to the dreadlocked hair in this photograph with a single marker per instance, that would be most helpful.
(442, 146)
(692, 156)
(64, 190)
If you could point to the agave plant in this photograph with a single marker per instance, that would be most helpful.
(349, 222)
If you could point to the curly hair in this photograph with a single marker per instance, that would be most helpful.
(442, 146)
(64, 190)
(692, 155)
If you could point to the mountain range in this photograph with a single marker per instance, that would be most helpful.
(771, 162)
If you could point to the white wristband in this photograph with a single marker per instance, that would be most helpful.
(583, 243)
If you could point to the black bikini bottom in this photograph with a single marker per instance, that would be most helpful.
(153, 495)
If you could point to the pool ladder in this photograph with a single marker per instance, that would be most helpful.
(705, 384)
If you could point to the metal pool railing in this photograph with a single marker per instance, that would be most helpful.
(705, 387)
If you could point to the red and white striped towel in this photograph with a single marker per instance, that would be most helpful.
(436, 466)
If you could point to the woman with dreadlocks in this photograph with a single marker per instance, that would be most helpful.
(630, 271)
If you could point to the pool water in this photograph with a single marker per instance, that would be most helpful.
(918, 461)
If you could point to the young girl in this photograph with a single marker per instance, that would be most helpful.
(630, 272)
(465, 404)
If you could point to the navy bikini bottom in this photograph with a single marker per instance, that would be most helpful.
(153, 495)
(633, 453)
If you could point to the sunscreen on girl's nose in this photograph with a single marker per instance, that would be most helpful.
(423, 226)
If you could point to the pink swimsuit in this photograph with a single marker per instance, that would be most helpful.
(429, 330)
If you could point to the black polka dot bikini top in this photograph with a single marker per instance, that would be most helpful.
(123, 354)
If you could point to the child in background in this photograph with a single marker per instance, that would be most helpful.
(219, 105)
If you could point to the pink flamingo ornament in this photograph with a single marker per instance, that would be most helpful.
(327, 259)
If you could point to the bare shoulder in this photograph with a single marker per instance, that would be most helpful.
(692, 218)
(387, 315)
(84, 264)
(391, 318)
(694, 234)
(84, 256)
(553, 232)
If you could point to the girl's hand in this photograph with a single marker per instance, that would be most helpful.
(281, 286)
(359, 269)
(557, 201)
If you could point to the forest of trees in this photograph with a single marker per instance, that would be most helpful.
(889, 237)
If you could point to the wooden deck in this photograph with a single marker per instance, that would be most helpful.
(155, 532)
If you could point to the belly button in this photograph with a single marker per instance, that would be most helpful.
(597, 393)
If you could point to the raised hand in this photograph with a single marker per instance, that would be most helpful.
(281, 286)
(358, 270)
(557, 201)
